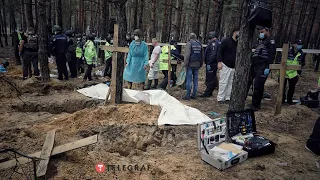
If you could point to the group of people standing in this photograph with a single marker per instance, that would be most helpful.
(68, 48)
(217, 56)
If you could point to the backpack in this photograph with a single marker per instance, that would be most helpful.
(32, 43)
(260, 13)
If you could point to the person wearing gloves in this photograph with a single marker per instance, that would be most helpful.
(263, 56)
(137, 61)
(295, 57)
(90, 55)
(154, 65)
(211, 53)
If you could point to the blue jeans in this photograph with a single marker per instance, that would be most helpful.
(192, 74)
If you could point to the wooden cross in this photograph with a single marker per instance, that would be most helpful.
(283, 67)
(116, 82)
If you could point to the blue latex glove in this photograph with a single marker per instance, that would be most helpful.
(208, 67)
(266, 72)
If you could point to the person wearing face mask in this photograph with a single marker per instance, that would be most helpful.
(295, 57)
(226, 64)
(263, 56)
(211, 64)
(137, 61)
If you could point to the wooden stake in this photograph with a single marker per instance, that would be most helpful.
(46, 153)
(283, 69)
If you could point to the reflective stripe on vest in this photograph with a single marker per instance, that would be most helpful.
(292, 73)
(19, 36)
(163, 59)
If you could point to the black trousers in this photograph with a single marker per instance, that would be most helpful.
(88, 73)
(16, 55)
(30, 58)
(61, 65)
(108, 68)
(292, 87)
(80, 65)
(72, 63)
(258, 79)
(173, 73)
(211, 80)
(313, 142)
(164, 82)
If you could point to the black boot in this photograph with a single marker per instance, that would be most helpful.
(148, 85)
(155, 84)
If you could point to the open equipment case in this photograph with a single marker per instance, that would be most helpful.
(211, 134)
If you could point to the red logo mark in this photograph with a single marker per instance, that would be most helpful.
(100, 167)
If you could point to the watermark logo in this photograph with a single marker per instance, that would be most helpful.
(100, 167)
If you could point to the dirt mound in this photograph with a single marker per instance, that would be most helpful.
(9, 89)
(85, 121)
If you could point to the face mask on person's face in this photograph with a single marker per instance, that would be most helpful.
(261, 36)
(136, 38)
(299, 47)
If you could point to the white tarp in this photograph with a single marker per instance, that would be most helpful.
(172, 111)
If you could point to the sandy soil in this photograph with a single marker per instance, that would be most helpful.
(128, 134)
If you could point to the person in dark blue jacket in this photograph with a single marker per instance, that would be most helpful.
(211, 53)
(59, 48)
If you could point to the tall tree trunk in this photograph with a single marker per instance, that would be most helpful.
(48, 15)
(315, 10)
(54, 12)
(59, 11)
(142, 3)
(4, 16)
(218, 24)
(106, 19)
(242, 68)
(1, 30)
(170, 17)
(199, 15)
(301, 18)
(36, 14)
(164, 32)
(91, 16)
(13, 22)
(288, 35)
(70, 14)
(43, 41)
(122, 21)
(135, 16)
(177, 25)
(205, 28)
(231, 19)
(305, 22)
(281, 18)
(28, 8)
(153, 20)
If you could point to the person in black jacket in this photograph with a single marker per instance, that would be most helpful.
(226, 63)
(211, 64)
(263, 56)
(71, 53)
(59, 48)
(313, 143)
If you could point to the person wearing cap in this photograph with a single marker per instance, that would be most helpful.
(226, 64)
(263, 56)
(211, 64)
(164, 64)
(194, 58)
(295, 57)
(28, 49)
(59, 48)
(90, 54)
(137, 61)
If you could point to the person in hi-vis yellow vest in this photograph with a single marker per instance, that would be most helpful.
(295, 57)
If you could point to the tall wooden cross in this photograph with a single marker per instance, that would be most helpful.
(116, 87)
(283, 67)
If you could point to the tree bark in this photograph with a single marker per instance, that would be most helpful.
(313, 18)
(135, 16)
(219, 17)
(105, 19)
(36, 14)
(205, 28)
(199, 15)
(164, 32)
(4, 16)
(177, 25)
(288, 35)
(28, 8)
(1, 30)
(301, 18)
(43, 41)
(59, 11)
(48, 15)
(13, 22)
(153, 20)
(281, 18)
(142, 3)
(242, 68)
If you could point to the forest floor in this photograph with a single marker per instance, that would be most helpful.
(129, 134)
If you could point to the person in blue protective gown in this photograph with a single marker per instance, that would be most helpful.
(137, 61)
